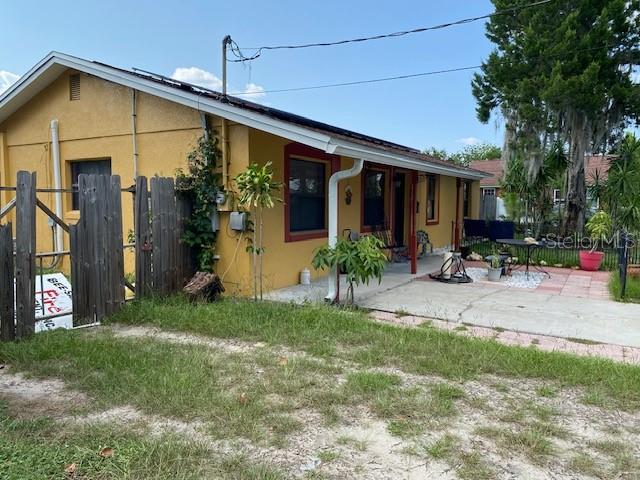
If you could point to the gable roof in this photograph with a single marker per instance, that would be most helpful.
(328, 138)
(493, 168)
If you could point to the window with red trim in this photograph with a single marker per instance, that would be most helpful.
(307, 195)
(433, 192)
(306, 174)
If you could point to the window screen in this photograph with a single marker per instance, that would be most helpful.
(432, 198)
(307, 196)
(374, 197)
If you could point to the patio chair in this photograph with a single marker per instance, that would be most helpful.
(422, 238)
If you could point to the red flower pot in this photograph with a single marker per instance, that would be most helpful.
(590, 261)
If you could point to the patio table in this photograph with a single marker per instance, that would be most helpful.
(528, 247)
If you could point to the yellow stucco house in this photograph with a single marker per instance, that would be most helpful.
(68, 116)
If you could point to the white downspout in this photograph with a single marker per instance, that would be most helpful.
(57, 182)
(333, 219)
(134, 132)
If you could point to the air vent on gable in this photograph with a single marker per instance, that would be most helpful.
(74, 87)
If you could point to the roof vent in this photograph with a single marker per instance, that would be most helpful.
(74, 87)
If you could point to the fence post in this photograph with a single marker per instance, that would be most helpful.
(185, 255)
(624, 260)
(143, 239)
(7, 314)
(157, 220)
(25, 253)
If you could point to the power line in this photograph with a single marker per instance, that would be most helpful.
(360, 82)
(403, 77)
(237, 50)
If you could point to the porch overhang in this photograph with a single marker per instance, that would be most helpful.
(384, 157)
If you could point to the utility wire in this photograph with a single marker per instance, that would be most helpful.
(360, 82)
(237, 50)
(402, 77)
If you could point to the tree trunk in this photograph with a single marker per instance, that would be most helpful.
(261, 251)
(576, 188)
(255, 252)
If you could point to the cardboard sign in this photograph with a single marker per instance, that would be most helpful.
(53, 296)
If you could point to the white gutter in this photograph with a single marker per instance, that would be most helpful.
(348, 149)
(333, 219)
(57, 183)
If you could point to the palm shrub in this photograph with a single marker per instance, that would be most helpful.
(621, 191)
(257, 189)
(362, 260)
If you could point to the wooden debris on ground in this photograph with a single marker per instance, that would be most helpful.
(204, 286)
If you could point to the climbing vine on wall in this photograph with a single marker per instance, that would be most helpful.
(202, 183)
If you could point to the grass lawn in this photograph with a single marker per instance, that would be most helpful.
(248, 390)
(632, 291)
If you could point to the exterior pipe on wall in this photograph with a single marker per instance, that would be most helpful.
(134, 114)
(358, 164)
(203, 125)
(57, 183)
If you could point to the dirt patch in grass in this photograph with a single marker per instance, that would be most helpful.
(272, 413)
(27, 397)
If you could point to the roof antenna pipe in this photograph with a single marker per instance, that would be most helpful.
(225, 42)
(223, 122)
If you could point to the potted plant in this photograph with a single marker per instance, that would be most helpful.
(599, 228)
(494, 268)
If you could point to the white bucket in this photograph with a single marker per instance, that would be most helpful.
(305, 277)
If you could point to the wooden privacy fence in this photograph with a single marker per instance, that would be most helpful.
(163, 264)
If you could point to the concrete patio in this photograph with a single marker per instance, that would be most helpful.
(568, 305)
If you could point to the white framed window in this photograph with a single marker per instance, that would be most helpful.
(489, 192)
(557, 196)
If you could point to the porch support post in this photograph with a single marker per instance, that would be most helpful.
(333, 220)
(456, 231)
(413, 247)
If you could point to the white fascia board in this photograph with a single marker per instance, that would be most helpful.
(386, 158)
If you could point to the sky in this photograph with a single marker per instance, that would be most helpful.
(183, 40)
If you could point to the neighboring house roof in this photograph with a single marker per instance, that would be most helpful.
(595, 165)
(493, 168)
(328, 138)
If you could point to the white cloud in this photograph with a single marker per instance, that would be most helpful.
(209, 80)
(635, 76)
(253, 91)
(7, 79)
(197, 76)
(468, 141)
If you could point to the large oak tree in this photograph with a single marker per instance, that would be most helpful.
(561, 75)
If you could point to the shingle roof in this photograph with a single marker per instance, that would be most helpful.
(493, 168)
(278, 114)
(595, 166)
(296, 127)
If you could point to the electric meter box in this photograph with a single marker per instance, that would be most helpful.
(238, 221)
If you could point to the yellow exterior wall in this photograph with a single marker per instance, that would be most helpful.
(283, 261)
(98, 125)
(440, 233)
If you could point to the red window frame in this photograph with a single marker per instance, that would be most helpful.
(304, 152)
